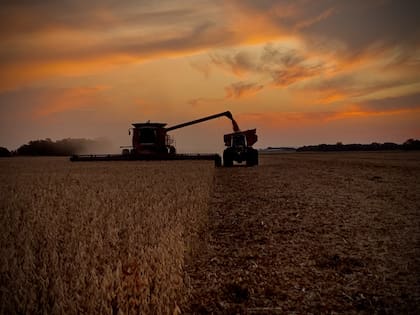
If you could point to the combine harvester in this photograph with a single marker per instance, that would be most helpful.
(152, 142)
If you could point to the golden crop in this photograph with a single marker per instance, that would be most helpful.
(98, 237)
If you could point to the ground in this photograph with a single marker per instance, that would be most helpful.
(302, 233)
(311, 233)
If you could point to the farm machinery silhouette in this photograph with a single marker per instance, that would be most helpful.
(151, 141)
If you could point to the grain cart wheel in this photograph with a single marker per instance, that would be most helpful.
(125, 152)
(252, 157)
(256, 161)
(227, 158)
(172, 150)
(218, 160)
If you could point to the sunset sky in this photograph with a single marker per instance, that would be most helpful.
(301, 72)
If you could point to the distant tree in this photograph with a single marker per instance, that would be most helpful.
(411, 144)
(4, 152)
(64, 147)
(390, 146)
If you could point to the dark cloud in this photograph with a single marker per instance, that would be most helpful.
(34, 16)
(350, 87)
(276, 65)
(405, 102)
(148, 46)
(97, 31)
(358, 24)
(241, 89)
(204, 100)
(270, 59)
(286, 57)
(143, 29)
(237, 62)
(294, 74)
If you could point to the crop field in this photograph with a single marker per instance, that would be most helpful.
(330, 233)
(98, 238)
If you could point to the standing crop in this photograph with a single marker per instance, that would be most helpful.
(105, 238)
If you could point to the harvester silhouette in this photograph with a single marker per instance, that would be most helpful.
(151, 141)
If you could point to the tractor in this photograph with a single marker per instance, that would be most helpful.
(239, 148)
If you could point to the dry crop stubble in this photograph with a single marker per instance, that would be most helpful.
(98, 237)
(312, 233)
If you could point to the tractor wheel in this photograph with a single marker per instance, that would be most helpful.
(227, 158)
(218, 161)
(252, 157)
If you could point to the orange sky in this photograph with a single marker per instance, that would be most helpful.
(301, 72)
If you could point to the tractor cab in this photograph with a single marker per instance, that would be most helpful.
(238, 141)
(241, 139)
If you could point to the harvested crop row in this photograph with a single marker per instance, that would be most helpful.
(98, 237)
(312, 233)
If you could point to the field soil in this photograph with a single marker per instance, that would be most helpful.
(311, 233)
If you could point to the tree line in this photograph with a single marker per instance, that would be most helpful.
(47, 147)
(69, 146)
(410, 144)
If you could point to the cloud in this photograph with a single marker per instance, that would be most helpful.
(288, 76)
(324, 78)
(238, 63)
(274, 65)
(386, 22)
(258, 60)
(358, 24)
(304, 119)
(205, 101)
(98, 55)
(401, 103)
(23, 17)
(362, 85)
(242, 89)
(30, 103)
(42, 39)
(274, 60)
(373, 110)
(201, 66)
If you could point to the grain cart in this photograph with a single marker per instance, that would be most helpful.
(239, 148)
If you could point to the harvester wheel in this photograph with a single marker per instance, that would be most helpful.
(172, 150)
(227, 158)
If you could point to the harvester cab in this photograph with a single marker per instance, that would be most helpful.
(239, 148)
(151, 139)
